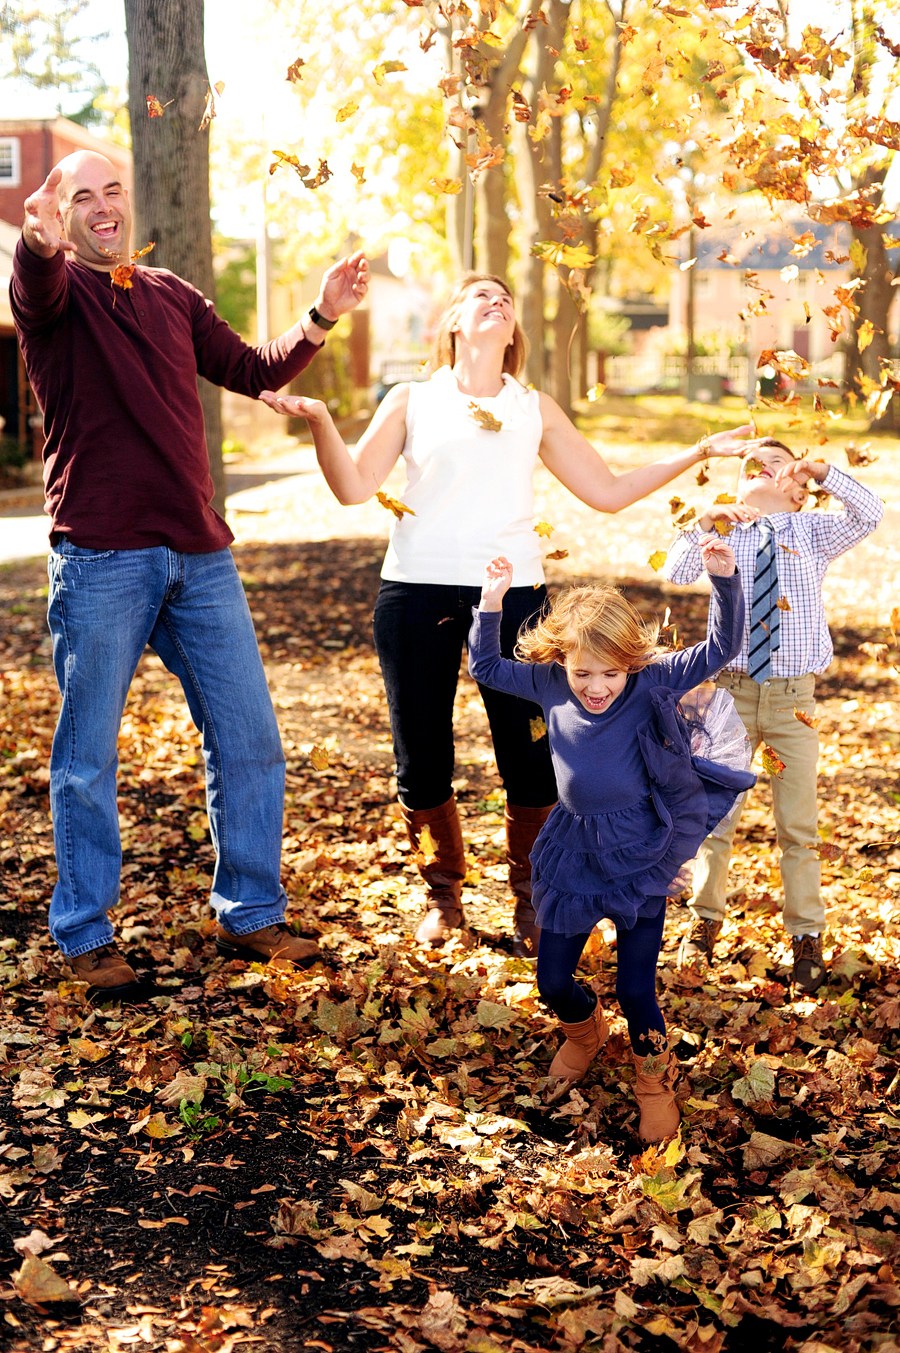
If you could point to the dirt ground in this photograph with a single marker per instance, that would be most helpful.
(369, 1155)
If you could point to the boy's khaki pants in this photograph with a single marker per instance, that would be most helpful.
(767, 711)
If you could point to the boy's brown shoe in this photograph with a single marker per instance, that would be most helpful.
(273, 944)
(809, 965)
(107, 974)
(699, 942)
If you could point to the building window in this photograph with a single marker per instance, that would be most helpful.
(10, 163)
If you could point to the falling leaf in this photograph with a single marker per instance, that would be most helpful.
(359, 173)
(783, 604)
(444, 185)
(771, 761)
(294, 69)
(155, 108)
(702, 477)
(543, 528)
(565, 255)
(386, 68)
(427, 846)
(558, 554)
(538, 728)
(787, 549)
(322, 175)
(595, 392)
(282, 157)
(723, 499)
(803, 717)
(209, 111)
(319, 758)
(865, 333)
(753, 466)
(484, 418)
(121, 276)
(859, 455)
(346, 112)
(657, 559)
(675, 505)
(394, 505)
(39, 1285)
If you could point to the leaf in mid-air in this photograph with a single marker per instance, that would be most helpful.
(803, 717)
(319, 758)
(154, 107)
(657, 559)
(543, 528)
(783, 604)
(558, 554)
(771, 761)
(394, 505)
(538, 729)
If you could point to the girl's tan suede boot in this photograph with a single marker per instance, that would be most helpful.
(657, 1088)
(583, 1041)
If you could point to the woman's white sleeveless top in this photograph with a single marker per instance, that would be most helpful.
(470, 489)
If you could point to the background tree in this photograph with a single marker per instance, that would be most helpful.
(45, 48)
(171, 160)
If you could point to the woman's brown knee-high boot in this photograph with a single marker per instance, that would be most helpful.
(583, 1041)
(657, 1090)
(444, 873)
(522, 827)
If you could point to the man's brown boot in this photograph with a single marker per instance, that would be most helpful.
(522, 827)
(657, 1090)
(108, 976)
(275, 944)
(443, 871)
(583, 1041)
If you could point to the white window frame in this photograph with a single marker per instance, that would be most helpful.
(14, 179)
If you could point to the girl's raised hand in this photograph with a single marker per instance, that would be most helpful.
(718, 558)
(496, 584)
(296, 406)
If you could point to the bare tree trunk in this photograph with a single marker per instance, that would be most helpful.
(875, 300)
(171, 162)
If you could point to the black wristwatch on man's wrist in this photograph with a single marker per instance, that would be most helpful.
(322, 322)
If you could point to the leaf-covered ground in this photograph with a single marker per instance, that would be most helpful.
(368, 1155)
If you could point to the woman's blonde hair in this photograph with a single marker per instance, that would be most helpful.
(598, 619)
(443, 351)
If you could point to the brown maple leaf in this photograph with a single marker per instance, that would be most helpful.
(484, 418)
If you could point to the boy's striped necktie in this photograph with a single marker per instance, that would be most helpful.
(764, 613)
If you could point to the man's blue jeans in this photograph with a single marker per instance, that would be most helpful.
(104, 607)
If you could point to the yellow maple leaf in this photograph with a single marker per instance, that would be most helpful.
(319, 758)
(802, 716)
(783, 604)
(394, 505)
(544, 528)
(445, 185)
(723, 527)
(538, 729)
(346, 112)
(427, 846)
(358, 172)
(657, 559)
(864, 334)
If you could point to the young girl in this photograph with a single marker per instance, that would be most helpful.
(633, 804)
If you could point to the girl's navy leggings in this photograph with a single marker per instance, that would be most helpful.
(637, 953)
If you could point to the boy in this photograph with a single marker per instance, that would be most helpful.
(782, 555)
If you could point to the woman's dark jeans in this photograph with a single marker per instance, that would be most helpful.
(420, 630)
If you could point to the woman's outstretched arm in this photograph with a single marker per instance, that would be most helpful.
(570, 457)
(353, 476)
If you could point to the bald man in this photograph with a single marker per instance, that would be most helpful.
(138, 555)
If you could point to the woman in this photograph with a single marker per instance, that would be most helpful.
(471, 436)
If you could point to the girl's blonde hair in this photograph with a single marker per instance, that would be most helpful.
(598, 619)
(444, 344)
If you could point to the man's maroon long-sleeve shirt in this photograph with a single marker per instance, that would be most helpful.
(115, 373)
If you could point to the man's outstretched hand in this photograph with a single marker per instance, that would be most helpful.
(343, 286)
(42, 231)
